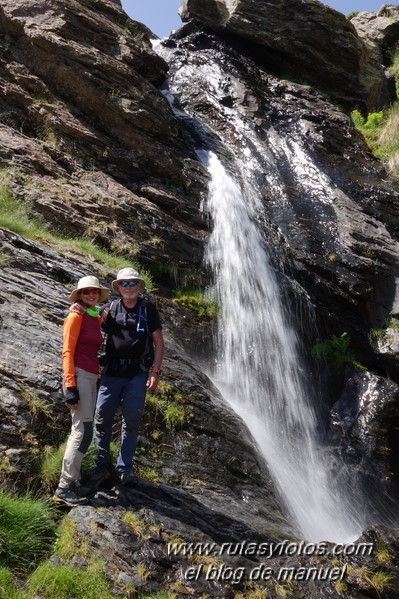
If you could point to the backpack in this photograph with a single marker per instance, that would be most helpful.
(146, 358)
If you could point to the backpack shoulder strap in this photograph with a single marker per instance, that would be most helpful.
(144, 300)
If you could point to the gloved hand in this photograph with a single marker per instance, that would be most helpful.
(72, 396)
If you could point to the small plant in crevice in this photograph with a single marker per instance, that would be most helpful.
(198, 301)
(379, 580)
(35, 404)
(376, 334)
(382, 555)
(142, 571)
(168, 403)
(135, 524)
(5, 260)
(380, 333)
(337, 352)
(148, 474)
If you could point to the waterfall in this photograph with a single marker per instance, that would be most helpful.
(258, 369)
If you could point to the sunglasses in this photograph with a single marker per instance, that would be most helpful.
(90, 291)
(128, 283)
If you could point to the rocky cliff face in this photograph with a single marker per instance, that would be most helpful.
(81, 117)
(91, 145)
(306, 41)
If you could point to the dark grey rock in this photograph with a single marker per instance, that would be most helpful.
(305, 40)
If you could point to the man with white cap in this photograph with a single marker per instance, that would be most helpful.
(133, 355)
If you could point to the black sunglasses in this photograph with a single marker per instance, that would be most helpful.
(128, 283)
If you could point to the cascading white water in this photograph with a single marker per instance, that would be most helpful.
(258, 370)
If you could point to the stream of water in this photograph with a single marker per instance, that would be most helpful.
(258, 370)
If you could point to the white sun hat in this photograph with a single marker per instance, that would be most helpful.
(89, 282)
(127, 274)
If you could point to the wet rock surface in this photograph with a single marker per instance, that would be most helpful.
(365, 421)
(328, 208)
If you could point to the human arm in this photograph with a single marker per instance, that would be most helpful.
(159, 346)
(72, 326)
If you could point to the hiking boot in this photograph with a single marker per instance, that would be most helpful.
(70, 497)
(128, 479)
(95, 480)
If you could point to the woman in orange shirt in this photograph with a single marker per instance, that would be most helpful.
(81, 343)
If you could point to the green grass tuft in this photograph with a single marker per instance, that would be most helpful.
(27, 532)
(168, 403)
(68, 582)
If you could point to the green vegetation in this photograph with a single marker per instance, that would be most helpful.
(35, 404)
(337, 352)
(370, 127)
(27, 532)
(4, 259)
(67, 545)
(69, 582)
(136, 525)
(394, 68)
(51, 463)
(352, 14)
(391, 323)
(6, 585)
(167, 402)
(381, 129)
(148, 474)
(382, 555)
(14, 215)
(379, 580)
(196, 300)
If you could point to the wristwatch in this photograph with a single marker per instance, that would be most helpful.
(156, 371)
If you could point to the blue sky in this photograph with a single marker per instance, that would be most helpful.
(161, 15)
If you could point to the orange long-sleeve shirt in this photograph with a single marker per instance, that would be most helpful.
(81, 342)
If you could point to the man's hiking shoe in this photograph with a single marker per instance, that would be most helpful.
(70, 497)
(94, 482)
(128, 479)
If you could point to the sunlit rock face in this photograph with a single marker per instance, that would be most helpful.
(303, 40)
(381, 28)
(82, 118)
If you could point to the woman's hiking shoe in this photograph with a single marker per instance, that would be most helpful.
(70, 497)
